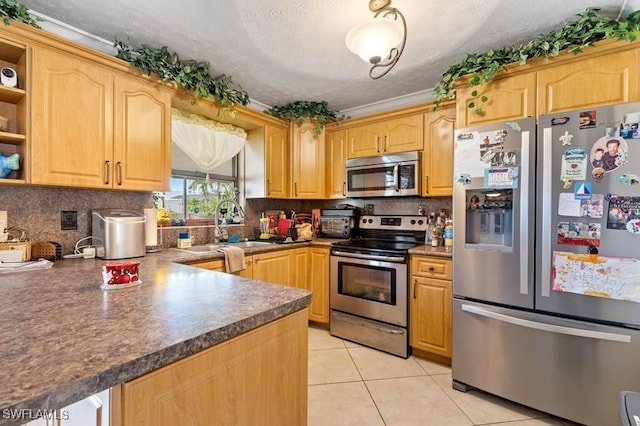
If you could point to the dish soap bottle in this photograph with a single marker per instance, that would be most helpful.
(448, 235)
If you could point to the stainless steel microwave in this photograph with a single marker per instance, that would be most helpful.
(384, 175)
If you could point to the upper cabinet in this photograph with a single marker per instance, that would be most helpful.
(336, 156)
(596, 81)
(94, 128)
(602, 75)
(507, 99)
(13, 107)
(437, 158)
(307, 149)
(386, 136)
(276, 141)
(266, 162)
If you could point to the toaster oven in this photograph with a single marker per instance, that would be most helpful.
(338, 223)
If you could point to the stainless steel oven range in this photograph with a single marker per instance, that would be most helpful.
(368, 282)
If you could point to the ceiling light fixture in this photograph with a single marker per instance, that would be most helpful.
(379, 38)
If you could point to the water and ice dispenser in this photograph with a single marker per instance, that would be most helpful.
(489, 218)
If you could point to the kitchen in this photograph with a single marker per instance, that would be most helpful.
(32, 207)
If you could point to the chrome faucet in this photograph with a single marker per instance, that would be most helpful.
(216, 231)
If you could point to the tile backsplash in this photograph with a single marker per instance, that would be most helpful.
(38, 211)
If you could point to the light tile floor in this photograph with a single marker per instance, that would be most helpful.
(351, 384)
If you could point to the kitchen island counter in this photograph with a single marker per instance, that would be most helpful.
(63, 338)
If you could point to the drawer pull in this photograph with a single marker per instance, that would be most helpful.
(431, 269)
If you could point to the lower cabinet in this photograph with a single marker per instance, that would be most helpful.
(319, 283)
(256, 378)
(306, 268)
(430, 306)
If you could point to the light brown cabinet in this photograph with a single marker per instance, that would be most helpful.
(386, 136)
(336, 156)
(306, 268)
(510, 98)
(276, 140)
(602, 75)
(437, 158)
(308, 172)
(431, 305)
(592, 81)
(319, 284)
(258, 377)
(13, 107)
(94, 128)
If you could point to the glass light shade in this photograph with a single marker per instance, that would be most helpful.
(374, 38)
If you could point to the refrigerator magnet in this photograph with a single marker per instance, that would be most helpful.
(558, 121)
(579, 234)
(623, 210)
(598, 174)
(609, 153)
(503, 177)
(582, 191)
(566, 138)
(628, 179)
(587, 119)
(629, 127)
(574, 164)
(514, 125)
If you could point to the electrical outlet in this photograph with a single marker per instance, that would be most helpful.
(69, 220)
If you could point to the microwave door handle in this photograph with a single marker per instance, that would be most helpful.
(396, 183)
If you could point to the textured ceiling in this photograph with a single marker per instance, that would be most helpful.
(288, 50)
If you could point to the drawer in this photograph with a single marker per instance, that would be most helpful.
(432, 267)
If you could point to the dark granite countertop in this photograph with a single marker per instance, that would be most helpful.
(63, 338)
(426, 250)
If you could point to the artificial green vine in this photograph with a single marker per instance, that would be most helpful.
(573, 36)
(11, 9)
(191, 75)
(299, 111)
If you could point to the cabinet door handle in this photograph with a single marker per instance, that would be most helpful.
(295, 189)
(426, 184)
(107, 171)
(344, 189)
(378, 144)
(268, 187)
(415, 284)
(119, 172)
(384, 146)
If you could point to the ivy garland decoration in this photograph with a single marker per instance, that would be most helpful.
(299, 111)
(191, 75)
(11, 9)
(573, 36)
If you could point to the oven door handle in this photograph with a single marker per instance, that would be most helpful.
(368, 256)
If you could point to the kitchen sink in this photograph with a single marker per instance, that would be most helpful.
(247, 244)
(208, 248)
(203, 248)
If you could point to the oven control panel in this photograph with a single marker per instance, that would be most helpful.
(389, 222)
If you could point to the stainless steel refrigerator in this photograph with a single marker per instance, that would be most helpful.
(546, 278)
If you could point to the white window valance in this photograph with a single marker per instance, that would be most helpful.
(208, 143)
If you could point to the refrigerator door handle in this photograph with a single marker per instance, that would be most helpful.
(545, 228)
(524, 214)
(559, 329)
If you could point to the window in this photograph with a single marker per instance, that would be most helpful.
(194, 196)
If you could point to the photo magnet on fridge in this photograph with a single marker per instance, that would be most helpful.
(587, 119)
(609, 153)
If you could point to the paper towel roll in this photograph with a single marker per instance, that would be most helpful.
(151, 227)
